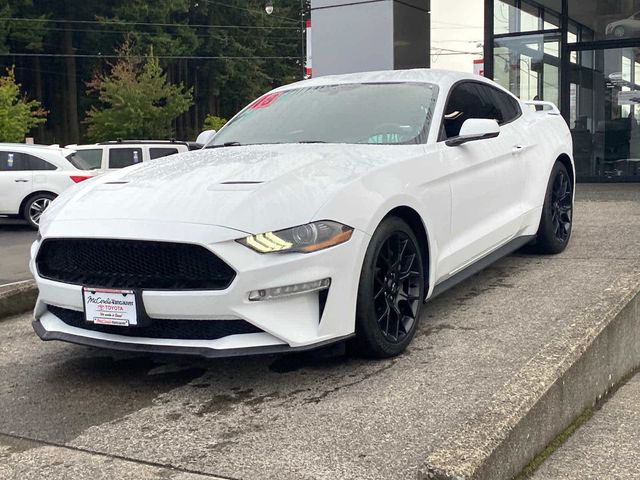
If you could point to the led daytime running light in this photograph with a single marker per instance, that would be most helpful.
(289, 290)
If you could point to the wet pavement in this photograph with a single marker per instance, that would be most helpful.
(75, 412)
(15, 242)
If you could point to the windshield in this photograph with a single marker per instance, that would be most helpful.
(87, 159)
(78, 162)
(381, 113)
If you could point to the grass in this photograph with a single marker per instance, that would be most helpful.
(554, 445)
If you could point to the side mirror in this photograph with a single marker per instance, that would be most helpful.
(205, 137)
(475, 129)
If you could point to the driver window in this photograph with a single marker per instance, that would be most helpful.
(468, 100)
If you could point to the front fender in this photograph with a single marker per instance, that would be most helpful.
(364, 204)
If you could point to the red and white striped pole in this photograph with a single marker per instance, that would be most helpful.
(308, 62)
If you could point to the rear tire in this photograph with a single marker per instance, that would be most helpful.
(35, 207)
(391, 291)
(557, 213)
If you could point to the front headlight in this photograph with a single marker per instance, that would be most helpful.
(302, 239)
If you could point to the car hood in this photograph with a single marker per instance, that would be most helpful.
(251, 189)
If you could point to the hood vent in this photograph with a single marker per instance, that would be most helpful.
(242, 182)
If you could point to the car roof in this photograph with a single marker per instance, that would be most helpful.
(443, 78)
(128, 142)
(27, 147)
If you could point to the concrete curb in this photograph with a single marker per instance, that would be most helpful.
(574, 370)
(17, 298)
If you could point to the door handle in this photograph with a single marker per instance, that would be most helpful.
(21, 180)
(517, 149)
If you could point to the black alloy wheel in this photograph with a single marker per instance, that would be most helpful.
(557, 213)
(397, 287)
(391, 291)
(562, 206)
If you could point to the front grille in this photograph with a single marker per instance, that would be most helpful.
(176, 329)
(134, 264)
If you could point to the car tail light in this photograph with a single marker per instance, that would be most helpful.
(80, 178)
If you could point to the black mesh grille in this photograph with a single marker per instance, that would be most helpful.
(132, 264)
(176, 329)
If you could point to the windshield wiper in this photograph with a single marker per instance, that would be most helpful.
(226, 144)
(311, 141)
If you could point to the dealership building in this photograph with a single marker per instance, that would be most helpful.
(583, 55)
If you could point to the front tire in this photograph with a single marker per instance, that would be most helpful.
(35, 207)
(557, 213)
(391, 291)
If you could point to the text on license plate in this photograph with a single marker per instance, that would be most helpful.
(110, 307)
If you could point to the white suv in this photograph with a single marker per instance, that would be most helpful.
(31, 176)
(123, 153)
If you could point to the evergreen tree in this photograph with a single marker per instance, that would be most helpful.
(136, 100)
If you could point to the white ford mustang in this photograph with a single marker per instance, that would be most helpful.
(326, 210)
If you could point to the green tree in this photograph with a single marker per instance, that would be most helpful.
(136, 100)
(212, 122)
(18, 115)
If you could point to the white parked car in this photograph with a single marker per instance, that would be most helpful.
(627, 27)
(124, 153)
(327, 210)
(31, 176)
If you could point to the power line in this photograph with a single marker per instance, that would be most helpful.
(212, 2)
(118, 22)
(465, 25)
(283, 37)
(171, 57)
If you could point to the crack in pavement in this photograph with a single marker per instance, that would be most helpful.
(10, 440)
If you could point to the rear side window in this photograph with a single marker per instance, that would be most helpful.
(161, 152)
(476, 100)
(87, 159)
(507, 105)
(12, 162)
(20, 162)
(467, 101)
(36, 163)
(124, 157)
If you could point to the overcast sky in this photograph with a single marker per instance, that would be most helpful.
(456, 26)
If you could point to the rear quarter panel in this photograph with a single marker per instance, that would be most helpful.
(546, 137)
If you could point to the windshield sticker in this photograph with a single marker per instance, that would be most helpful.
(265, 100)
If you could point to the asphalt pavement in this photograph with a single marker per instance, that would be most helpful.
(75, 412)
(15, 241)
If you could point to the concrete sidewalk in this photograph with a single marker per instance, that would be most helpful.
(606, 447)
(480, 350)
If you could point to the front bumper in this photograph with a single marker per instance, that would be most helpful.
(286, 324)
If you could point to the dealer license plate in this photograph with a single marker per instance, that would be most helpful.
(110, 307)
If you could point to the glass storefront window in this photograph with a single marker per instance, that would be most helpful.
(504, 13)
(529, 18)
(512, 16)
(606, 19)
(605, 114)
(551, 21)
(600, 87)
(529, 66)
(515, 16)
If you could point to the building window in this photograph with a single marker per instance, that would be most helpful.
(606, 19)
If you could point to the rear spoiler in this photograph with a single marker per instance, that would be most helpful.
(548, 107)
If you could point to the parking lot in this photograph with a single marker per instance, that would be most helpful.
(15, 240)
(75, 412)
